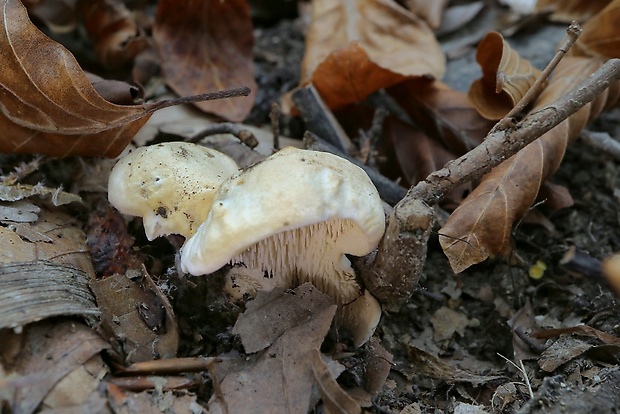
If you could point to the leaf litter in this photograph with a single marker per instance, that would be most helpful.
(442, 337)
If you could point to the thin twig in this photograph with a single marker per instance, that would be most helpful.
(274, 115)
(572, 34)
(602, 141)
(501, 145)
(521, 369)
(223, 94)
(238, 130)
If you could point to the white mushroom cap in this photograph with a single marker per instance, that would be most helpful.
(294, 216)
(170, 185)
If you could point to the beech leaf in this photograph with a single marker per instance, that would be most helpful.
(443, 113)
(506, 77)
(355, 47)
(481, 225)
(207, 45)
(47, 104)
(565, 11)
(600, 34)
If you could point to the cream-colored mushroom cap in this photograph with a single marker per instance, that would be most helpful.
(293, 216)
(170, 185)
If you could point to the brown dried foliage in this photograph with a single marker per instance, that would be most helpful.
(116, 37)
(482, 224)
(354, 48)
(443, 113)
(565, 11)
(48, 104)
(506, 77)
(200, 50)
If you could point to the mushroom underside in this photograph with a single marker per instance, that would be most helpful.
(314, 253)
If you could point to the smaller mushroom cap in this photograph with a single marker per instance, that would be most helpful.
(170, 185)
(293, 216)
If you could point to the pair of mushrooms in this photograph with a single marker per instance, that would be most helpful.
(287, 220)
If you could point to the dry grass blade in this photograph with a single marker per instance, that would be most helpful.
(506, 77)
(481, 226)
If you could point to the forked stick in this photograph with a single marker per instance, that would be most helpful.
(392, 275)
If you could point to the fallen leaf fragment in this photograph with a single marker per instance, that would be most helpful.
(272, 313)
(354, 48)
(116, 36)
(78, 391)
(506, 77)
(418, 156)
(281, 379)
(431, 11)
(60, 241)
(482, 224)
(137, 318)
(48, 106)
(60, 16)
(600, 34)
(206, 45)
(443, 113)
(335, 399)
(46, 353)
(565, 11)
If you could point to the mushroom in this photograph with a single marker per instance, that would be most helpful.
(170, 185)
(293, 218)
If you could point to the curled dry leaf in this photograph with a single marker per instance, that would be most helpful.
(47, 104)
(482, 224)
(506, 77)
(116, 37)
(207, 45)
(355, 47)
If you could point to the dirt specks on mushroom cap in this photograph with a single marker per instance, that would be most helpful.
(170, 185)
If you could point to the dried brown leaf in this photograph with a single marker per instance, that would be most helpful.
(67, 245)
(46, 353)
(206, 45)
(354, 48)
(116, 36)
(600, 36)
(431, 11)
(418, 156)
(271, 314)
(565, 11)
(281, 379)
(506, 77)
(138, 317)
(48, 105)
(60, 16)
(443, 113)
(481, 225)
(335, 399)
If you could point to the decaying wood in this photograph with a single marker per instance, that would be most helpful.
(319, 119)
(31, 291)
(393, 273)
